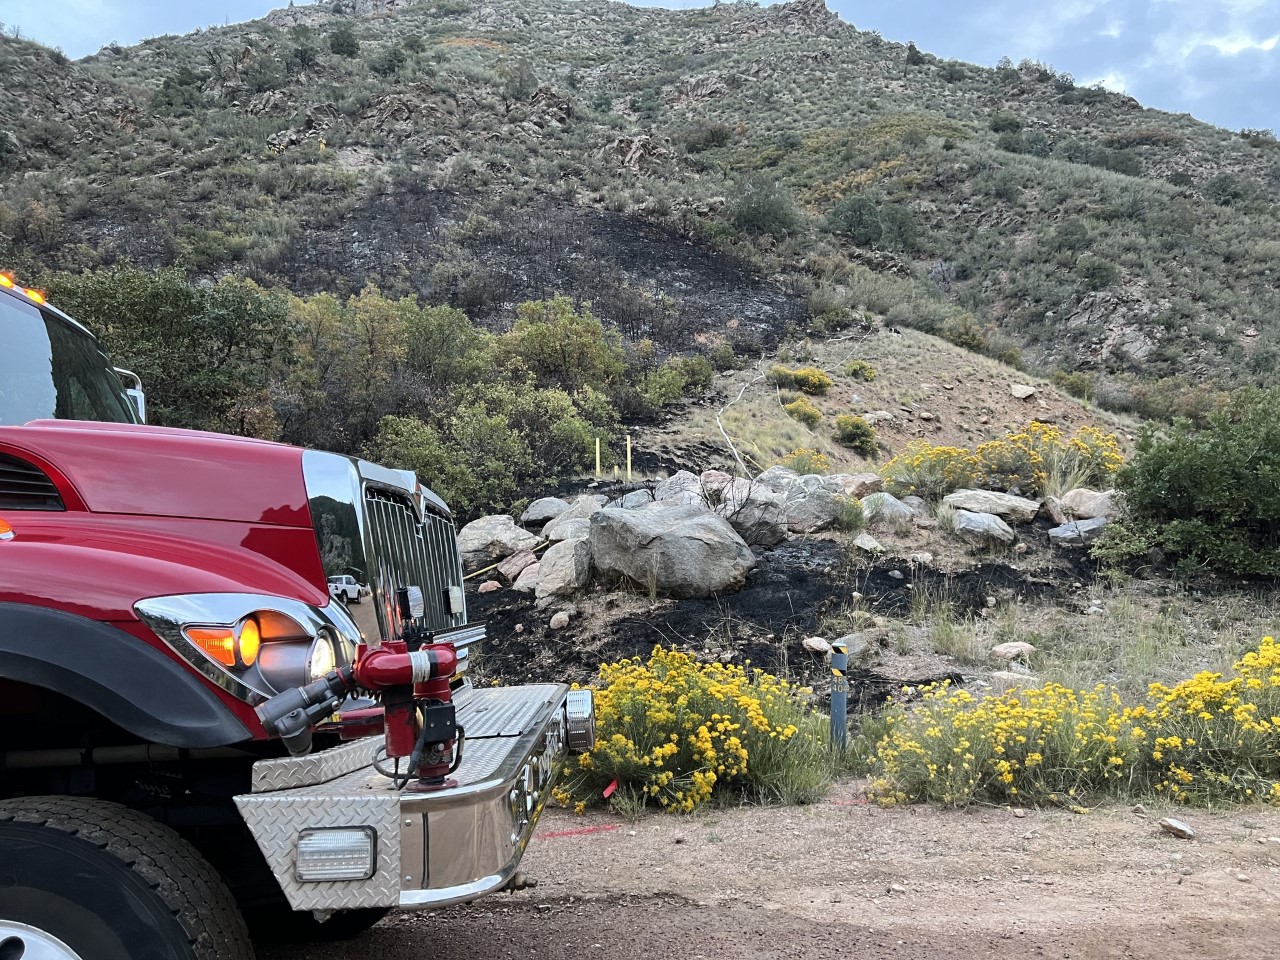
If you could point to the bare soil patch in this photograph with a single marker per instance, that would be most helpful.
(842, 878)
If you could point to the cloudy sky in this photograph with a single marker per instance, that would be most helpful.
(1216, 59)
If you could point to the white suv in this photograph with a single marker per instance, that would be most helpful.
(347, 589)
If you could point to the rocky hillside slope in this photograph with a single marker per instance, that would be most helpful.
(725, 172)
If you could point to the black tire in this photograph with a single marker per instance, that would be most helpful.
(282, 925)
(113, 884)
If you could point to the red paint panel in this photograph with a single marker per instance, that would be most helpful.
(159, 471)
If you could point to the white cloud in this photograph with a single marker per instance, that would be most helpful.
(1111, 80)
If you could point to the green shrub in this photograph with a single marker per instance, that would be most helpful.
(1011, 141)
(343, 42)
(849, 517)
(697, 372)
(860, 370)
(856, 434)
(765, 207)
(1002, 121)
(1097, 273)
(388, 61)
(857, 217)
(802, 409)
(808, 380)
(1211, 496)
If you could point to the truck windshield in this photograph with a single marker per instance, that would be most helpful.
(51, 369)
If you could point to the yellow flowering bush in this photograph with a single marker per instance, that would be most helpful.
(808, 380)
(677, 732)
(802, 409)
(1025, 461)
(1211, 737)
(926, 470)
(806, 460)
(1219, 737)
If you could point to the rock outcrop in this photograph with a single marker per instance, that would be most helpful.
(493, 538)
(683, 551)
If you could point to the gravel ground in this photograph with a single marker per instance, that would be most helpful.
(842, 878)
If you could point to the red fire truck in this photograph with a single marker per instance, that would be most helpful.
(199, 740)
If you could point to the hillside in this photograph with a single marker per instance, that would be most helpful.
(701, 177)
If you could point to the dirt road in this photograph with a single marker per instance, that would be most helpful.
(843, 878)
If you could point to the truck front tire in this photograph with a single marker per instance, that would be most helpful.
(110, 884)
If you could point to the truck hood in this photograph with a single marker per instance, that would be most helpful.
(164, 472)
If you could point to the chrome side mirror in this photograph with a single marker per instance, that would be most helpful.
(136, 395)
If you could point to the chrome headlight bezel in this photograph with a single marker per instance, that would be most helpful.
(280, 665)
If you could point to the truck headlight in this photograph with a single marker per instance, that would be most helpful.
(252, 646)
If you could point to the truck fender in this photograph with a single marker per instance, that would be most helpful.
(125, 680)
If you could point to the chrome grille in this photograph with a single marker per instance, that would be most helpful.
(409, 553)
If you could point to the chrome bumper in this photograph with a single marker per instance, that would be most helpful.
(428, 849)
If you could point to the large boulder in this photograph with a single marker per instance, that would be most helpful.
(1077, 533)
(564, 568)
(981, 529)
(753, 510)
(682, 486)
(778, 479)
(1004, 505)
(682, 552)
(571, 524)
(483, 541)
(811, 503)
(1085, 504)
(886, 508)
(543, 510)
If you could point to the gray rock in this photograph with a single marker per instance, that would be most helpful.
(566, 527)
(1053, 509)
(1077, 533)
(981, 529)
(923, 558)
(858, 485)
(489, 586)
(560, 620)
(1022, 391)
(856, 645)
(527, 582)
(778, 479)
(753, 510)
(865, 541)
(1178, 828)
(1013, 649)
(897, 575)
(811, 503)
(684, 553)
(682, 486)
(1004, 505)
(511, 567)
(816, 645)
(885, 508)
(483, 541)
(1090, 504)
(917, 505)
(543, 510)
(636, 498)
(565, 567)
(878, 416)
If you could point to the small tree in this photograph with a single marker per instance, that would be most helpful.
(1097, 273)
(343, 42)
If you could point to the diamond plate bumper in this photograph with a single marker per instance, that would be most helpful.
(432, 849)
